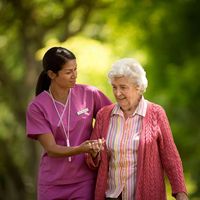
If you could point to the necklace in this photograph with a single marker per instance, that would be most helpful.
(61, 117)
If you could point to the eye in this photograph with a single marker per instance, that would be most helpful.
(123, 87)
(113, 87)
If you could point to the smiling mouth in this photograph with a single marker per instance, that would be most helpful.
(121, 99)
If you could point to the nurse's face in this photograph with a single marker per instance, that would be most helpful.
(66, 77)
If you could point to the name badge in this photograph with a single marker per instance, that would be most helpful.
(85, 110)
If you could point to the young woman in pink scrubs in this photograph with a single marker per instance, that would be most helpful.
(60, 118)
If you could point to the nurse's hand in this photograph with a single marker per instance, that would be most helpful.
(92, 146)
(85, 147)
(97, 146)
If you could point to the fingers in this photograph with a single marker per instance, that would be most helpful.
(92, 145)
(99, 141)
(97, 145)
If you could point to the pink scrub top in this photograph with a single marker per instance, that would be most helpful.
(42, 118)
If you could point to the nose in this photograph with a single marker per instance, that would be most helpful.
(117, 92)
(74, 74)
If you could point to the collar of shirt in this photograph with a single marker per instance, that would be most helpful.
(140, 110)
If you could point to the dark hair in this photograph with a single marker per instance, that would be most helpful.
(53, 60)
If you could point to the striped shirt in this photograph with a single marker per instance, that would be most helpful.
(122, 144)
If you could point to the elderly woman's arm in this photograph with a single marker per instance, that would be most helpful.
(170, 157)
(93, 158)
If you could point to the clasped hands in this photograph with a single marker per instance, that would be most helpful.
(93, 146)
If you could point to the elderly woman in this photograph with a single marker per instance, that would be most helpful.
(138, 147)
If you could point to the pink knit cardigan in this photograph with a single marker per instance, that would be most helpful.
(157, 154)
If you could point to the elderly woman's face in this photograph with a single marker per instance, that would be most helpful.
(126, 93)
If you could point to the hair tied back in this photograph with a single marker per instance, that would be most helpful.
(59, 51)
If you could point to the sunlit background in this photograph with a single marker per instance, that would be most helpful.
(163, 35)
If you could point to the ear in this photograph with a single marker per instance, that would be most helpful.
(51, 74)
(138, 89)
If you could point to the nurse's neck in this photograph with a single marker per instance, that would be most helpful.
(59, 94)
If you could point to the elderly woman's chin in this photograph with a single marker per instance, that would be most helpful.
(122, 103)
(124, 107)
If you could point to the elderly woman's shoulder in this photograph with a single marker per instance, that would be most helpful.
(155, 107)
(106, 109)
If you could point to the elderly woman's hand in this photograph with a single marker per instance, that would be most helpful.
(181, 196)
(97, 146)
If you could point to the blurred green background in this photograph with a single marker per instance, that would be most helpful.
(163, 35)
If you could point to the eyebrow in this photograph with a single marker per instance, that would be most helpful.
(69, 69)
(119, 85)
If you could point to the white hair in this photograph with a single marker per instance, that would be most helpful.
(130, 68)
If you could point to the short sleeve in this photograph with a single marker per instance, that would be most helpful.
(36, 123)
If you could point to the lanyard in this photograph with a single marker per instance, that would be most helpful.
(61, 117)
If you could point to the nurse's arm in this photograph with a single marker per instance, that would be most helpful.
(54, 150)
